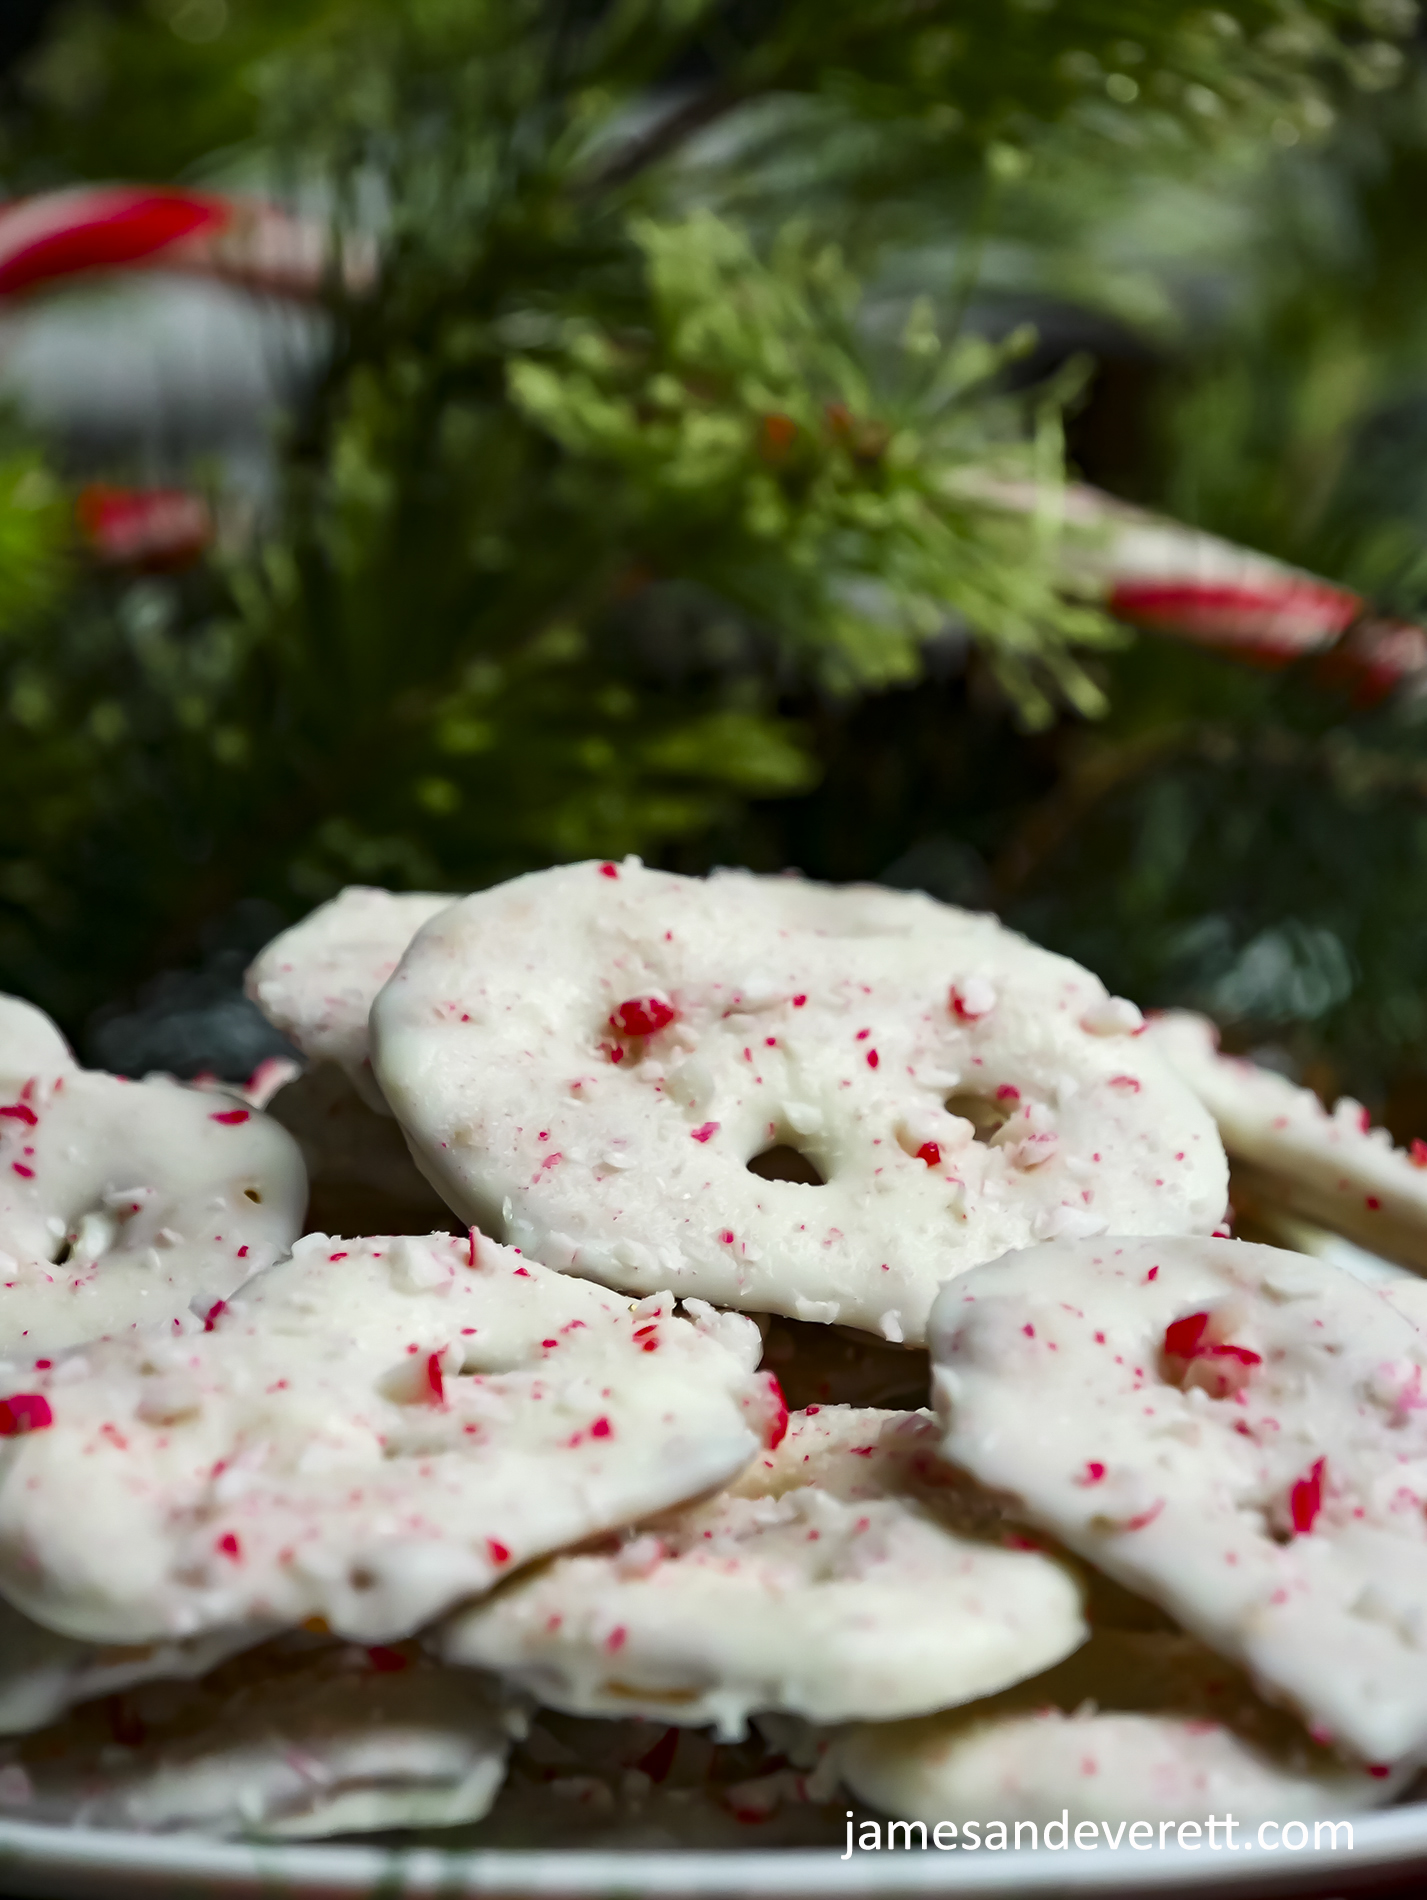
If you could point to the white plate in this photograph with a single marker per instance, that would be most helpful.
(90, 1865)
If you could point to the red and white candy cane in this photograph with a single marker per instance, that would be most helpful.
(1150, 572)
(1173, 580)
(92, 229)
(151, 528)
(258, 246)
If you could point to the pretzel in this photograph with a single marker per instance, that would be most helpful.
(367, 1433)
(123, 1202)
(607, 1063)
(30, 1044)
(1334, 1168)
(277, 1744)
(316, 981)
(1237, 1432)
(825, 1583)
(43, 1673)
(1132, 1728)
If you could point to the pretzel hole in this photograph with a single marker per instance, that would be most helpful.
(252, 1194)
(89, 1236)
(986, 1115)
(786, 1163)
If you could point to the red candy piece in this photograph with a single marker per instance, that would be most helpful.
(24, 1412)
(930, 1153)
(1305, 1500)
(1182, 1336)
(641, 1016)
(776, 1428)
(1197, 1358)
(230, 1117)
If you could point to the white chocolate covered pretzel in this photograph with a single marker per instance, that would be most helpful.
(369, 1432)
(30, 1044)
(597, 1061)
(316, 981)
(1335, 1168)
(1136, 1726)
(1237, 1432)
(123, 1203)
(825, 1583)
(331, 1741)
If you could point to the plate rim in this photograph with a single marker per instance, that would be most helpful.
(115, 1861)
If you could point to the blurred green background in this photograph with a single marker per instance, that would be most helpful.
(642, 502)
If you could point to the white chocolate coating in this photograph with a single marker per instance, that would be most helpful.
(317, 980)
(1408, 1296)
(1265, 1482)
(292, 1747)
(1098, 1766)
(836, 1021)
(1143, 1725)
(825, 1583)
(1335, 1168)
(370, 1432)
(126, 1203)
(30, 1044)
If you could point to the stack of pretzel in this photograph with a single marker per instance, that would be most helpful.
(485, 1507)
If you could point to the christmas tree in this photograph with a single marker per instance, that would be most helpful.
(648, 492)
